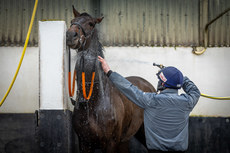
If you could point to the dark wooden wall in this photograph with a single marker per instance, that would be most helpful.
(206, 134)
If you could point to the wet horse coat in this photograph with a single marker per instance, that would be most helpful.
(107, 119)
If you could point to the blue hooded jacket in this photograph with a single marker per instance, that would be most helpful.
(166, 115)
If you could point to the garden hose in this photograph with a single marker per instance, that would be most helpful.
(23, 52)
(212, 97)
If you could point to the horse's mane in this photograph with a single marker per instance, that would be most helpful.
(95, 43)
(95, 49)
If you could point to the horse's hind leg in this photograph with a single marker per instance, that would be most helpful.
(86, 147)
(123, 147)
(135, 146)
(111, 147)
(140, 135)
(132, 146)
(137, 143)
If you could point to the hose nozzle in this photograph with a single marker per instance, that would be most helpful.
(159, 65)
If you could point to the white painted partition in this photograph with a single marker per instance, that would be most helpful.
(52, 51)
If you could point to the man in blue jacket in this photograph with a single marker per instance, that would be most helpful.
(166, 115)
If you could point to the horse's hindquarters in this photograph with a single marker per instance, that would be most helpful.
(134, 114)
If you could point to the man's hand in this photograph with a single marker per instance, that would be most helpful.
(104, 65)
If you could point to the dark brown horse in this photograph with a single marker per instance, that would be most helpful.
(105, 119)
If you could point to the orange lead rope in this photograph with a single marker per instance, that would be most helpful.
(91, 86)
(71, 93)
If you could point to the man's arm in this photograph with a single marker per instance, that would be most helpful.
(192, 92)
(132, 92)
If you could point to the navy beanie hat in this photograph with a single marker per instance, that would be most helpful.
(171, 76)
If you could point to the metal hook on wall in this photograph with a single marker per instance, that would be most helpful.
(198, 50)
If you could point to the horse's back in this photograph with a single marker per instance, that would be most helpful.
(141, 83)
